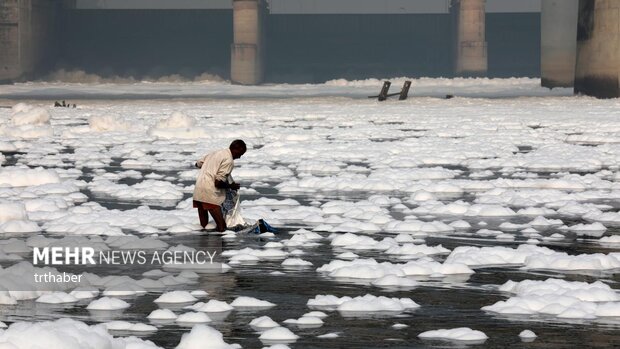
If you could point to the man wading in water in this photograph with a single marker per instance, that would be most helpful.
(213, 180)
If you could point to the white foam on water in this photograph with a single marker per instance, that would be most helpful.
(107, 303)
(203, 336)
(193, 317)
(455, 334)
(558, 298)
(377, 185)
(66, 334)
(263, 322)
(175, 297)
(212, 306)
(162, 314)
(278, 334)
(250, 302)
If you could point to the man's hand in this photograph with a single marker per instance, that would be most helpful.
(226, 185)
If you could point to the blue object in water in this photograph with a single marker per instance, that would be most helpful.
(263, 227)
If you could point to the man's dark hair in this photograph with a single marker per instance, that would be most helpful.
(238, 144)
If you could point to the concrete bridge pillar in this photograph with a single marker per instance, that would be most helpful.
(471, 47)
(598, 49)
(558, 41)
(247, 51)
(10, 55)
(27, 36)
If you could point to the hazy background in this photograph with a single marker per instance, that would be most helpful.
(306, 40)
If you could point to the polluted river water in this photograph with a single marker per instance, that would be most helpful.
(394, 219)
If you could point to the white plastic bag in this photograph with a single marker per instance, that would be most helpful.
(231, 209)
(233, 217)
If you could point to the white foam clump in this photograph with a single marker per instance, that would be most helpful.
(461, 208)
(162, 314)
(417, 227)
(176, 120)
(66, 334)
(612, 240)
(145, 190)
(250, 255)
(177, 125)
(25, 114)
(68, 226)
(193, 317)
(199, 293)
(250, 302)
(204, 337)
(13, 278)
(19, 227)
(12, 211)
(465, 334)
(24, 177)
(559, 298)
(108, 123)
(84, 293)
(27, 122)
(364, 304)
(417, 249)
(595, 229)
(107, 303)
(249, 173)
(316, 313)
(371, 269)
(347, 255)
(394, 281)
(263, 322)
(482, 210)
(128, 326)
(56, 298)
(370, 303)
(7, 147)
(460, 224)
(495, 255)
(295, 262)
(562, 261)
(542, 222)
(212, 306)
(608, 218)
(527, 334)
(422, 195)
(308, 321)
(269, 202)
(352, 241)
(278, 334)
(176, 297)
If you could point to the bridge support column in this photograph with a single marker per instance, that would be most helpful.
(558, 41)
(27, 36)
(598, 49)
(247, 51)
(10, 57)
(471, 47)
